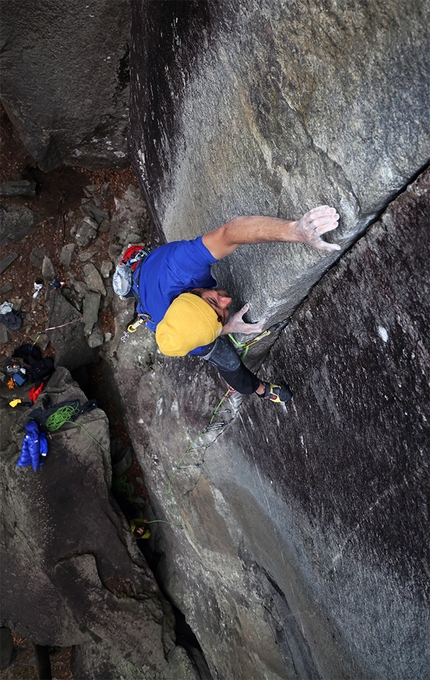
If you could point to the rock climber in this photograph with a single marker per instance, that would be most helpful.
(180, 300)
(140, 527)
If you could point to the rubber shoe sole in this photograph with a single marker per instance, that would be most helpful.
(276, 393)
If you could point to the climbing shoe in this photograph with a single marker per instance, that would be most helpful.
(276, 393)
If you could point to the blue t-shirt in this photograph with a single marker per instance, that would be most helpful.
(168, 271)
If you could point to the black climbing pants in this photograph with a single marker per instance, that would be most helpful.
(224, 357)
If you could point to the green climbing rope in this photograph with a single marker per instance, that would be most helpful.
(62, 415)
(244, 346)
(65, 414)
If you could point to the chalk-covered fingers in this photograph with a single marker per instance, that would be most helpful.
(316, 222)
(323, 218)
(236, 324)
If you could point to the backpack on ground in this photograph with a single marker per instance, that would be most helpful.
(41, 370)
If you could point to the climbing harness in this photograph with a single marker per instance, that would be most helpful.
(135, 254)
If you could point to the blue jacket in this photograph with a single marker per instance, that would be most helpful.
(34, 447)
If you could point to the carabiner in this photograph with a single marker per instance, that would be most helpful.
(132, 328)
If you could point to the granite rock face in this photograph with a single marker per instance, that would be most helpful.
(65, 80)
(272, 108)
(71, 571)
(298, 538)
(295, 538)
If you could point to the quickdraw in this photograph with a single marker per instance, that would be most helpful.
(132, 327)
(244, 346)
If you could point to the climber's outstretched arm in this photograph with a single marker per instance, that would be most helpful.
(260, 229)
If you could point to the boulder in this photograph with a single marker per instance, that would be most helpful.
(71, 571)
(22, 187)
(298, 538)
(130, 222)
(68, 98)
(37, 256)
(67, 254)
(7, 261)
(41, 340)
(85, 232)
(89, 209)
(106, 268)
(6, 287)
(96, 337)
(93, 279)
(48, 271)
(86, 255)
(16, 223)
(91, 311)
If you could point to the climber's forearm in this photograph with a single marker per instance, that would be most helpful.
(247, 229)
(260, 229)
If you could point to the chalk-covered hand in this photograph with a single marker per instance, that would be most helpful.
(236, 324)
(314, 223)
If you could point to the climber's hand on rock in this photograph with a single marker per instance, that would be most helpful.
(236, 324)
(314, 223)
